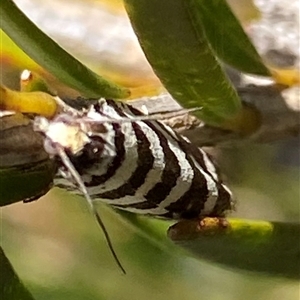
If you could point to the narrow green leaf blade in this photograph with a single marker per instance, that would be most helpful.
(256, 246)
(227, 36)
(25, 182)
(179, 52)
(52, 57)
(11, 288)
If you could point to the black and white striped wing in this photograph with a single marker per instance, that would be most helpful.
(143, 166)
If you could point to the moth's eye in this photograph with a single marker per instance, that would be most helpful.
(90, 154)
(96, 144)
(93, 151)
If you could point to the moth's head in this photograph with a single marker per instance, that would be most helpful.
(63, 131)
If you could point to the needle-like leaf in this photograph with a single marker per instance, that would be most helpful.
(52, 57)
(177, 48)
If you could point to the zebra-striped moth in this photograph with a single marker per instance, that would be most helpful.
(113, 153)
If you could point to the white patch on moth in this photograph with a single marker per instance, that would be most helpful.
(227, 189)
(209, 165)
(68, 136)
(186, 139)
(144, 109)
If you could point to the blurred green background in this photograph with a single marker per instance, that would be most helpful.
(58, 251)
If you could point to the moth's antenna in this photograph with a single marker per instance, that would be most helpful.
(169, 114)
(68, 164)
(149, 117)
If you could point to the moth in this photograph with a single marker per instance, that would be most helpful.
(114, 153)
